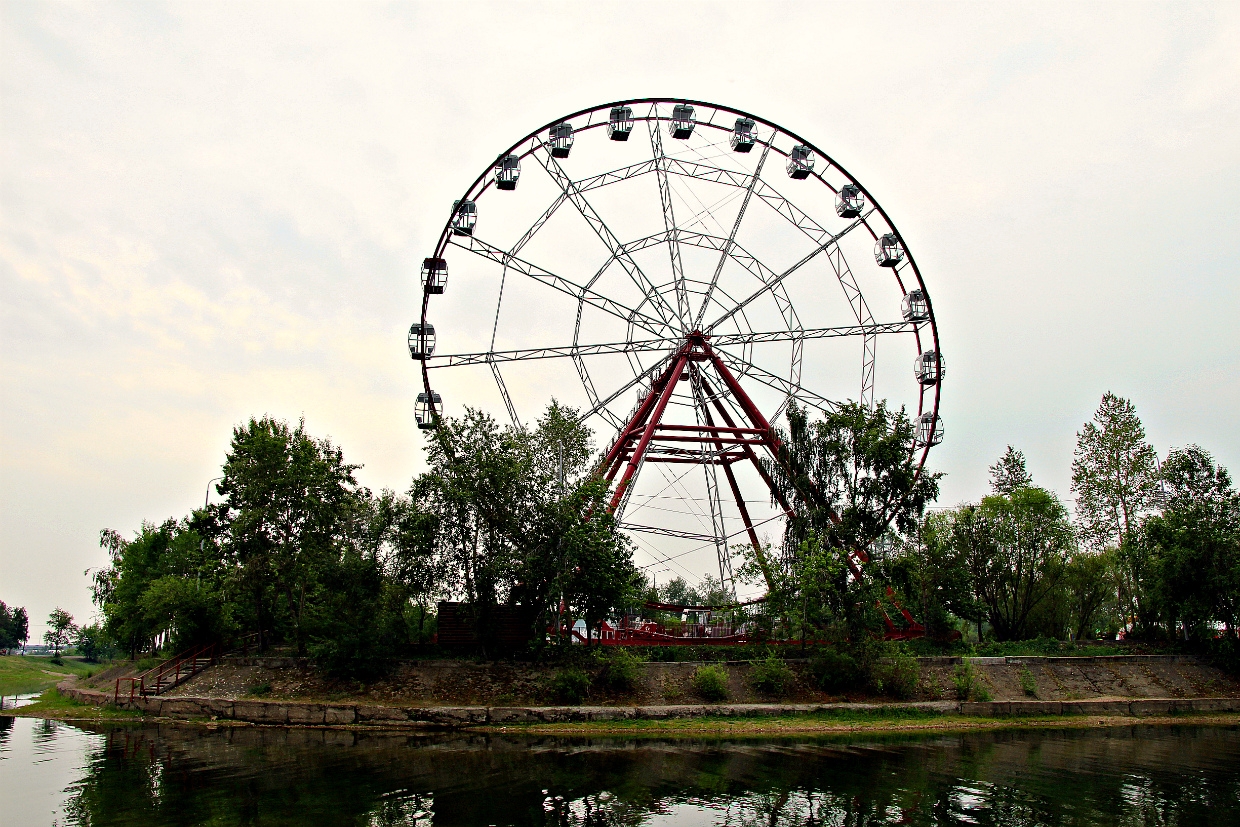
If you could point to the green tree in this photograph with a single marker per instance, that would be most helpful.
(165, 584)
(292, 508)
(1193, 546)
(932, 573)
(400, 537)
(14, 626)
(1020, 544)
(850, 475)
(1090, 593)
(93, 643)
(478, 490)
(1114, 473)
(517, 517)
(847, 477)
(1009, 473)
(60, 630)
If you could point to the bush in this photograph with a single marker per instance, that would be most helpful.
(711, 682)
(835, 671)
(1027, 683)
(969, 685)
(94, 645)
(621, 670)
(897, 674)
(770, 676)
(570, 686)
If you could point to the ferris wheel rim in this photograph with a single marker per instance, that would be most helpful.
(481, 184)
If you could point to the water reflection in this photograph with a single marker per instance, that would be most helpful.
(178, 776)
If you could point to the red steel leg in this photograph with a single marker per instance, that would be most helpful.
(640, 449)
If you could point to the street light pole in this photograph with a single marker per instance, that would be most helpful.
(202, 543)
(207, 499)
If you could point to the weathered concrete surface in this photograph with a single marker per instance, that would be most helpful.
(1102, 685)
(452, 683)
(1144, 707)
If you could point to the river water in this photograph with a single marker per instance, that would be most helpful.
(59, 774)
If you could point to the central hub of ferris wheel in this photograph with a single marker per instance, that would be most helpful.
(671, 290)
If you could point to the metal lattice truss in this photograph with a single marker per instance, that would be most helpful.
(696, 311)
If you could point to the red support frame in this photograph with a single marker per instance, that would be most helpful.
(731, 441)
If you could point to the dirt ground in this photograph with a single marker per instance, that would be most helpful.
(456, 683)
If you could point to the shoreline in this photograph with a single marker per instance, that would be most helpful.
(71, 704)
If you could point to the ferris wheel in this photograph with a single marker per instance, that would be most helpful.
(680, 272)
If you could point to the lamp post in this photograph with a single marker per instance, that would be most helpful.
(202, 543)
(207, 499)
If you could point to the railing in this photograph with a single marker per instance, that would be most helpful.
(168, 674)
(242, 645)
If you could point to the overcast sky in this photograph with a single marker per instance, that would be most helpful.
(210, 211)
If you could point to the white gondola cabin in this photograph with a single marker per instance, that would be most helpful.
(421, 341)
(620, 123)
(434, 275)
(914, 306)
(682, 121)
(929, 430)
(427, 409)
(851, 201)
(464, 217)
(560, 139)
(888, 251)
(742, 135)
(801, 162)
(507, 171)
(928, 367)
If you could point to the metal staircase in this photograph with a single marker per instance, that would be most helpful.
(170, 673)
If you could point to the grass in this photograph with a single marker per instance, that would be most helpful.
(23, 674)
(849, 722)
(51, 704)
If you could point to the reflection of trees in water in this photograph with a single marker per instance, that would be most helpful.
(1137, 776)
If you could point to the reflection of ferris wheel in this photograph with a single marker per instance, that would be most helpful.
(674, 282)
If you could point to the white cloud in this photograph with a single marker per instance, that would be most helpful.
(211, 211)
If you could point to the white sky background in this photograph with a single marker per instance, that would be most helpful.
(212, 211)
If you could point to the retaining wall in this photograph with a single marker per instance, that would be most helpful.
(286, 713)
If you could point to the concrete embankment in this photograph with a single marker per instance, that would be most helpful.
(294, 713)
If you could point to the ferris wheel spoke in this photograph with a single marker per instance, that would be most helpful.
(726, 252)
(669, 219)
(732, 339)
(786, 208)
(456, 360)
(627, 386)
(503, 391)
(817, 233)
(450, 360)
(587, 382)
(597, 300)
(869, 347)
(794, 391)
(615, 176)
(769, 286)
(538, 224)
(658, 303)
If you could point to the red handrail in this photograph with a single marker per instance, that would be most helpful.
(176, 667)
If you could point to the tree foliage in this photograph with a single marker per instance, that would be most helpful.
(848, 477)
(297, 552)
(60, 630)
(1114, 474)
(14, 626)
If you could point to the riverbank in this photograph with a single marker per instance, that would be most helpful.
(721, 722)
(445, 695)
(23, 674)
